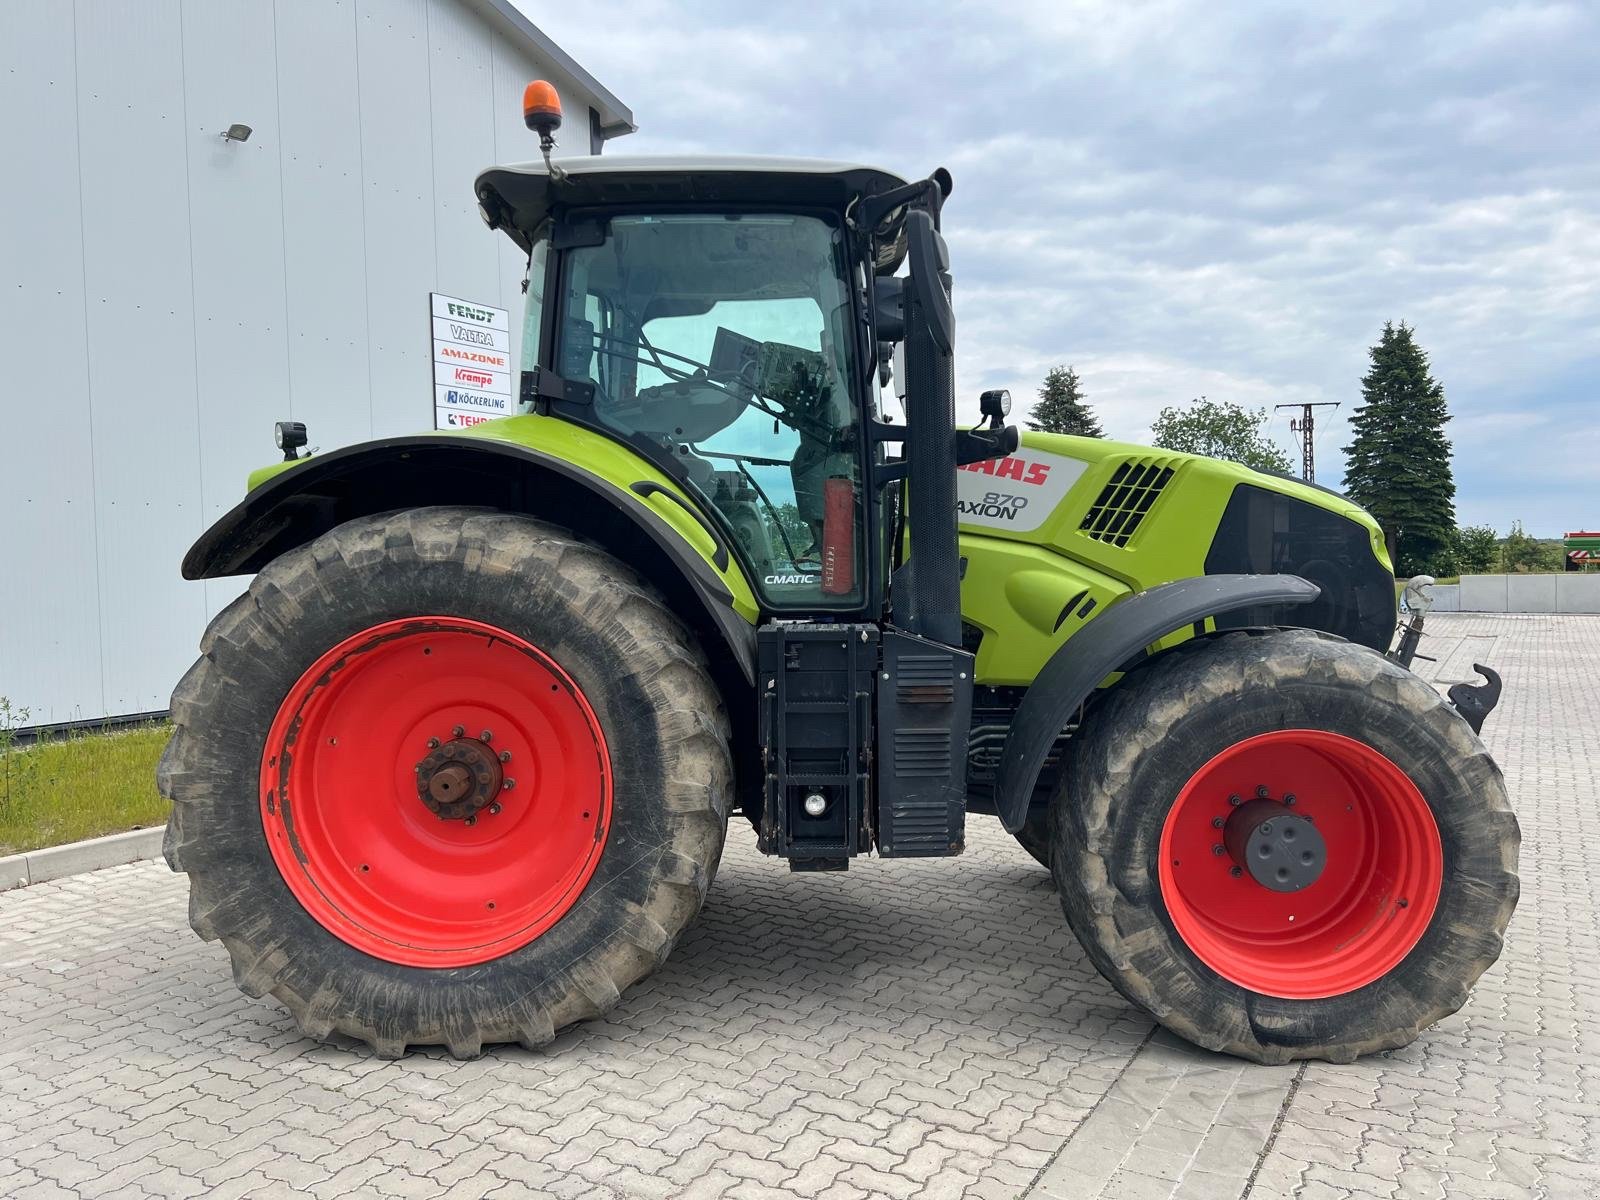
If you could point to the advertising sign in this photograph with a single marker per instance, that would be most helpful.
(473, 379)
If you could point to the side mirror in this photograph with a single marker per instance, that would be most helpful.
(889, 309)
(930, 278)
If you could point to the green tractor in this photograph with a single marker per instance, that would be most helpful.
(457, 767)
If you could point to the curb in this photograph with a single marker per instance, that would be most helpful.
(57, 862)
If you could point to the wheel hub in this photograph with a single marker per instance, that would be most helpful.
(1281, 849)
(459, 778)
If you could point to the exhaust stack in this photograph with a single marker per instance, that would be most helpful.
(928, 587)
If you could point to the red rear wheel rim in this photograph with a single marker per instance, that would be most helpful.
(1373, 900)
(370, 857)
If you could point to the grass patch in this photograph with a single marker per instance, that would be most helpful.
(80, 785)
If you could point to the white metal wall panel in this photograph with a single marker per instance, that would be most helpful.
(397, 159)
(462, 81)
(324, 246)
(236, 236)
(49, 590)
(178, 293)
(141, 341)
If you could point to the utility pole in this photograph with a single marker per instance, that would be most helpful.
(1304, 425)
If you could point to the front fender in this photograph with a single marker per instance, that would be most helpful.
(1103, 646)
(298, 505)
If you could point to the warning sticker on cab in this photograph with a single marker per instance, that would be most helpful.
(1017, 492)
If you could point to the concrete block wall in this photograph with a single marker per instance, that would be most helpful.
(1578, 593)
(1562, 593)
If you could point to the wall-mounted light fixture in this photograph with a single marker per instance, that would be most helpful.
(237, 133)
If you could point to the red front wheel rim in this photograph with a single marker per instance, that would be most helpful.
(404, 830)
(1372, 901)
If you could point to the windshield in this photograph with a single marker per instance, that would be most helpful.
(721, 342)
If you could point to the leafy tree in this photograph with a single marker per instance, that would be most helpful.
(1219, 429)
(1522, 552)
(1398, 465)
(1477, 550)
(1061, 408)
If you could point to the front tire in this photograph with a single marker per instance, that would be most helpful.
(446, 776)
(1034, 836)
(1371, 927)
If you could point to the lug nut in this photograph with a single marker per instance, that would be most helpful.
(1219, 848)
(505, 756)
(486, 736)
(494, 810)
(507, 784)
(1263, 792)
(1217, 822)
(433, 743)
(458, 731)
(1288, 798)
(1236, 871)
(473, 820)
(1235, 801)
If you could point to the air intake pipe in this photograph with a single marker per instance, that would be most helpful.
(927, 590)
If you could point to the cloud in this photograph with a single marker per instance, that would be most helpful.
(1185, 198)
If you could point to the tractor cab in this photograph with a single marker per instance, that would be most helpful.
(730, 321)
(719, 315)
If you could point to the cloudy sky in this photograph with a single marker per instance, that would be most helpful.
(1191, 198)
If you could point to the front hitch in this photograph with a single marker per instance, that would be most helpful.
(1417, 600)
(1473, 701)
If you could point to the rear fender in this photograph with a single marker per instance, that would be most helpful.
(298, 505)
(1105, 645)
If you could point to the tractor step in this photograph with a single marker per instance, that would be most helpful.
(836, 700)
(816, 686)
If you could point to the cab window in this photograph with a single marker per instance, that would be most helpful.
(720, 341)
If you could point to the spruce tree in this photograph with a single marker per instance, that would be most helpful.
(1061, 408)
(1398, 465)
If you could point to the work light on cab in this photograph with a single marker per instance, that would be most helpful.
(289, 436)
(995, 406)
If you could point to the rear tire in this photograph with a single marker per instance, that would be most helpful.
(1420, 876)
(345, 951)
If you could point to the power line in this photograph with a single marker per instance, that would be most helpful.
(1305, 425)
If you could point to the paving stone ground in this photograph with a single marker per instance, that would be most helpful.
(903, 1030)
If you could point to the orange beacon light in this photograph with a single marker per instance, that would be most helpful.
(541, 110)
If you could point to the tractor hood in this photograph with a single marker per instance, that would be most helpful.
(518, 198)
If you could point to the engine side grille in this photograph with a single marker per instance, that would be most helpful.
(1120, 508)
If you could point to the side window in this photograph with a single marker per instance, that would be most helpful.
(719, 342)
(768, 476)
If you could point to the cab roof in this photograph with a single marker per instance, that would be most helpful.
(520, 197)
